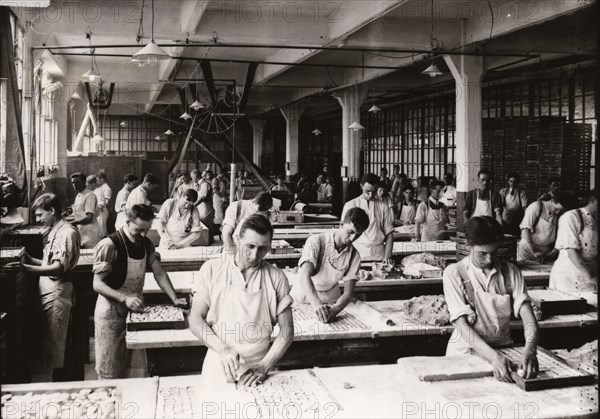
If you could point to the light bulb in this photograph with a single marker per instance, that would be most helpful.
(152, 60)
(92, 78)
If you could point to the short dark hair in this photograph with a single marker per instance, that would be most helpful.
(102, 175)
(369, 178)
(435, 183)
(191, 194)
(264, 200)
(358, 217)
(258, 223)
(48, 201)
(383, 169)
(553, 179)
(449, 175)
(79, 175)
(196, 172)
(484, 172)
(185, 173)
(280, 177)
(92, 179)
(481, 231)
(152, 179)
(130, 177)
(513, 174)
(141, 211)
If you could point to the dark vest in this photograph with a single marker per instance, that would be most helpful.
(123, 246)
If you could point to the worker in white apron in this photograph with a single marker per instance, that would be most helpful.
(92, 184)
(130, 183)
(205, 201)
(120, 264)
(576, 269)
(514, 202)
(107, 194)
(538, 232)
(328, 259)
(85, 213)
(219, 186)
(179, 221)
(238, 212)
(407, 208)
(432, 216)
(60, 255)
(483, 202)
(237, 301)
(376, 243)
(482, 292)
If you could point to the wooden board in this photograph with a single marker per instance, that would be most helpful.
(156, 317)
(552, 301)
(11, 254)
(447, 368)
(554, 372)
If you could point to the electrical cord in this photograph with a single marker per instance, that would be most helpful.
(492, 13)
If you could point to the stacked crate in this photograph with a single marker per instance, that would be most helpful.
(532, 185)
(487, 139)
(576, 158)
(506, 251)
(520, 148)
(509, 149)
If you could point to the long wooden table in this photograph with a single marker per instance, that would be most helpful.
(385, 335)
(192, 258)
(373, 290)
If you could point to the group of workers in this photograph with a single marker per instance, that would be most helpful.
(241, 288)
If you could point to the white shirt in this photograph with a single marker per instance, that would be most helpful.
(121, 200)
(448, 195)
(381, 219)
(107, 191)
(138, 196)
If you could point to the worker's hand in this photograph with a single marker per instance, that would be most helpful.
(134, 303)
(253, 376)
(501, 366)
(26, 258)
(230, 361)
(529, 368)
(539, 256)
(323, 313)
(378, 272)
(174, 246)
(12, 267)
(181, 302)
(416, 239)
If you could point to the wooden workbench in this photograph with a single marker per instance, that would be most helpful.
(315, 344)
(373, 290)
(376, 391)
(138, 395)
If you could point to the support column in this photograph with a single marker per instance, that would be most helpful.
(257, 140)
(467, 72)
(350, 100)
(292, 114)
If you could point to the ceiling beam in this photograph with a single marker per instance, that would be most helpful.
(210, 81)
(250, 73)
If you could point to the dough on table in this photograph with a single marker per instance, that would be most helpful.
(428, 309)
(425, 257)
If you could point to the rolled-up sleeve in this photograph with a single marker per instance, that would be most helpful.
(66, 250)
(202, 284)
(310, 252)
(519, 289)
(230, 213)
(531, 214)
(196, 222)
(165, 210)
(282, 292)
(90, 205)
(454, 294)
(568, 232)
(496, 201)
(524, 199)
(388, 219)
(352, 271)
(421, 213)
(105, 255)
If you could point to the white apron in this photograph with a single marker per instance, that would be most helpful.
(110, 317)
(565, 276)
(242, 321)
(513, 212)
(434, 224)
(326, 283)
(90, 233)
(219, 203)
(492, 323)
(121, 220)
(175, 229)
(368, 251)
(543, 231)
(407, 214)
(483, 207)
(57, 300)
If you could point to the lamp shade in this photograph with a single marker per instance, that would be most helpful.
(316, 131)
(375, 109)
(197, 105)
(91, 75)
(432, 71)
(169, 132)
(98, 138)
(186, 116)
(356, 126)
(151, 52)
(123, 124)
(157, 138)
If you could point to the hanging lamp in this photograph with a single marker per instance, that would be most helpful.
(432, 71)
(186, 116)
(375, 109)
(196, 105)
(151, 53)
(356, 126)
(316, 131)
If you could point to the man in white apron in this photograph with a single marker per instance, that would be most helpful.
(219, 186)
(406, 211)
(85, 213)
(432, 215)
(237, 301)
(448, 194)
(376, 243)
(120, 264)
(514, 202)
(205, 201)
(553, 189)
(186, 183)
(327, 259)
(139, 196)
(238, 212)
(130, 183)
(91, 182)
(483, 201)
(576, 269)
(179, 221)
(482, 292)
(538, 232)
(61, 253)
(107, 192)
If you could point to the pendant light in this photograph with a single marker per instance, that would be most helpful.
(151, 53)
(432, 70)
(375, 109)
(157, 138)
(356, 126)
(196, 105)
(186, 116)
(169, 132)
(316, 131)
(92, 74)
(123, 124)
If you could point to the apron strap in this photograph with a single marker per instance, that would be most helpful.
(467, 286)
(537, 219)
(581, 222)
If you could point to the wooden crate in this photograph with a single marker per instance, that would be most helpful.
(11, 254)
(281, 247)
(41, 399)
(31, 238)
(556, 302)
(157, 317)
